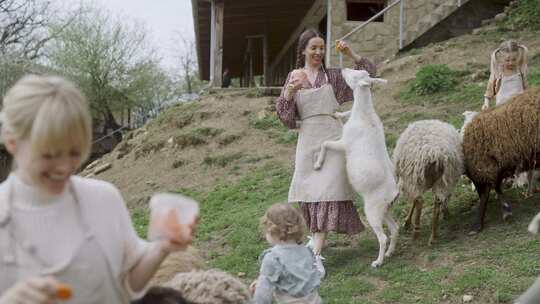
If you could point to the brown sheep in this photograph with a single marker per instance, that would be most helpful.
(162, 295)
(499, 143)
(181, 261)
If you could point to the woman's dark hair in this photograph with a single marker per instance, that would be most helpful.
(302, 44)
(162, 295)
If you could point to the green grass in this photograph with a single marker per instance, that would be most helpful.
(525, 16)
(494, 266)
(275, 129)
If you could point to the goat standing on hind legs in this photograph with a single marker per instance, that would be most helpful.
(368, 165)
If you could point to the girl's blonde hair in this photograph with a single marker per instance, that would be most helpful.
(284, 222)
(50, 112)
(509, 46)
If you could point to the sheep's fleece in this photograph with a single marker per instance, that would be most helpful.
(210, 287)
(428, 144)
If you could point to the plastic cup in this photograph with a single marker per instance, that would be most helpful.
(170, 215)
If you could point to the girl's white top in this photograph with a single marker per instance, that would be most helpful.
(52, 225)
(510, 86)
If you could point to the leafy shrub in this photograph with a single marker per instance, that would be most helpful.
(525, 15)
(267, 122)
(434, 78)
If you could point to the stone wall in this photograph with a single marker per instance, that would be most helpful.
(468, 17)
(378, 40)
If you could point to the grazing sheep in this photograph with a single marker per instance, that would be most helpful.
(428, 155)
(181, 261)
(210, 287)
(500, 142)
(369, 168)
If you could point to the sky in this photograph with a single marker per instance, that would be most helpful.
(163, 18)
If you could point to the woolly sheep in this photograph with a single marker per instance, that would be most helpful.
(500, 142)
(210, 287)
(369, 168)
(519, 181)
(182, 261)
(428, 155)
(161, 295)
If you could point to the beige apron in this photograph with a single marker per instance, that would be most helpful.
(510, 87)
(330, 183)
(83, 271)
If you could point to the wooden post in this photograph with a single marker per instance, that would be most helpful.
(216, 43)
(329, 42)
(266, 71)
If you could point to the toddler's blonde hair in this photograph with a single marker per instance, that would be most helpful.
(284, 222)
(50, 112)
(507, 47)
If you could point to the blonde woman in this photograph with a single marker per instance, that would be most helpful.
(287, 271)
(56, 227)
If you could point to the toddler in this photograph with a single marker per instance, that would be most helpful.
(288, 272)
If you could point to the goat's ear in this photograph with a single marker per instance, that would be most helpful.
(379, 81)
(362, 83)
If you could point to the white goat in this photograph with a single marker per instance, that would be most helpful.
(369, 168)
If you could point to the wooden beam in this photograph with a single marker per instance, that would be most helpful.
(216, 48)
(309, 18)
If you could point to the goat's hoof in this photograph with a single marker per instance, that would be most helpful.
(416, 235)
(317, 166)
(507, 215)
(376, 264)
(432, 242)
(389, 253)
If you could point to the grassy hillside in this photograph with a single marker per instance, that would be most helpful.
(230, 152)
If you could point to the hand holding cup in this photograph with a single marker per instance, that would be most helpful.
(173, 219)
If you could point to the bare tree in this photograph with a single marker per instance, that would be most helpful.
(23, 27)
(187, 61)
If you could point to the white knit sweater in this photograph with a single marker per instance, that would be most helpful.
(44, 220)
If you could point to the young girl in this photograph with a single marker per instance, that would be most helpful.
(287, 269)
(56, 227)
(508, 73)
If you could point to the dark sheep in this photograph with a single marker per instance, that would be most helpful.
(161, 295)
(499, 143)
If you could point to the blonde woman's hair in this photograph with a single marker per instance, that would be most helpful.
(284, 222)
(50, 112)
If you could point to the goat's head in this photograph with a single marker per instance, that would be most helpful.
(469, 115)
(359, 78)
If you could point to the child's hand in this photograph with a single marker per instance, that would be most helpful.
(485, 106)
(36, 290)
(253, 286)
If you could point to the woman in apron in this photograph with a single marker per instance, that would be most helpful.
(56, 227)
(308, 101)
(508, 73)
